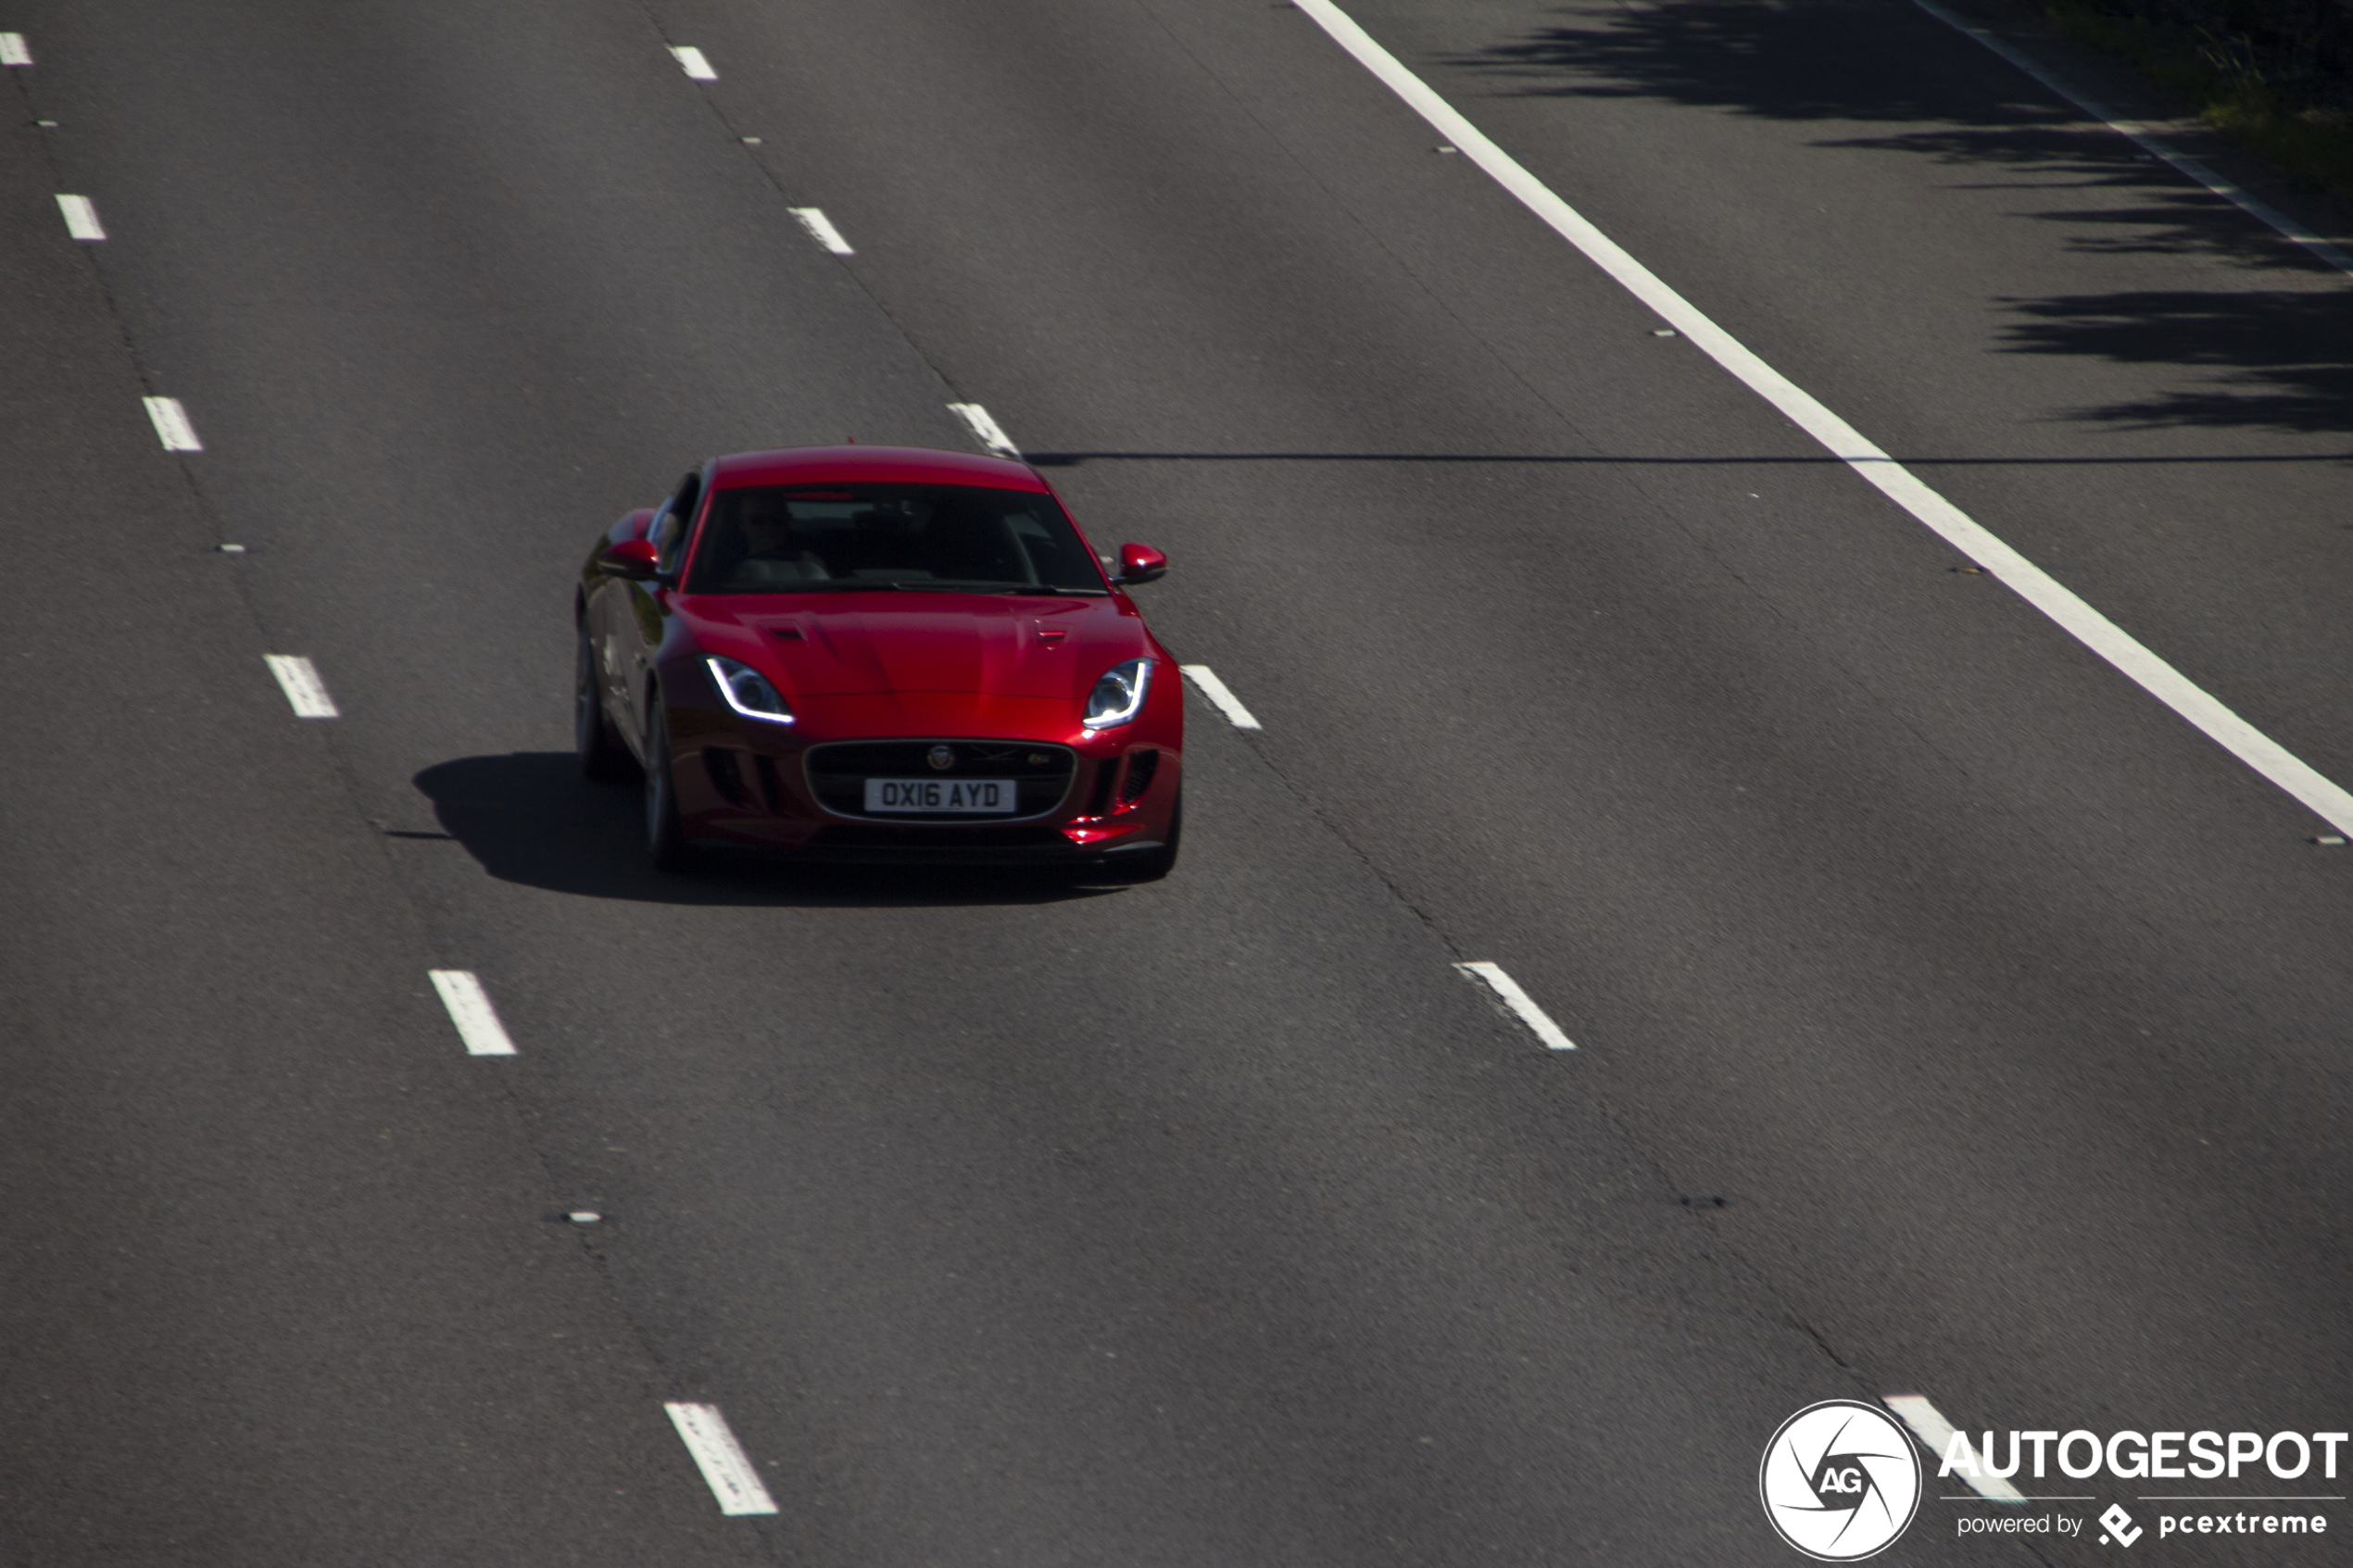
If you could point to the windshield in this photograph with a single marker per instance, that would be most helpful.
(815, 539)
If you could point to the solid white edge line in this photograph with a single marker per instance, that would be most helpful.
(13, 51)
(821, 228)
(471, 1010)
(2140, 132)
(82, 218)
(1521, 1003)
(298, 678)
(171, 424)
(2088, 625)
(1217, 692)
(690, 60)
(989, 434)
(1929, 1424)
(725, 1465)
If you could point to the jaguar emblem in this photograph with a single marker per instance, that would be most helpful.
(941, 757)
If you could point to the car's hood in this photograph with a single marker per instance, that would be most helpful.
(989, 644)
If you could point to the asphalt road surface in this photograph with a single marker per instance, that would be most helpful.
(1952, 1017)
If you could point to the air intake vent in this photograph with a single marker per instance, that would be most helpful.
(725, 777)
(1141, 768)
(765, 766)
(1106, 774)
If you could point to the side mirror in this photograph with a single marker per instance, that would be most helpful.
(1139, 563)
(636, 559)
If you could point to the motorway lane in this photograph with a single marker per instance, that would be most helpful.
(1916, 925)
(2135, 384)
(1901, 300)
(1216, 1221)
(834, 1096)
(1896, 894)
(1867, 909)
(278, 1285)
(1315, 1257)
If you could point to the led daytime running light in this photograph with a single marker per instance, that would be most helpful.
(747, 692)
(1118, 696)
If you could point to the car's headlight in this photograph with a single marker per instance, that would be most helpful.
(748, 691)
(1119, 695)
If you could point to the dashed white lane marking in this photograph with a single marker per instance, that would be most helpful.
(1898, 484)
(986, 430)
(1521, 1003)
(172, 425)
(13, 51)
(1929, 1422)
(721, 1458)
(690, 60)
(821, 228)
(2144, 136)
(1217, 692)
(300, 682)
(471, 1010)
(82, 218)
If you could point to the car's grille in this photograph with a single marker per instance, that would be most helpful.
(1042, 773)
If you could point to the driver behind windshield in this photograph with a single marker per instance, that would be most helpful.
(945, 538)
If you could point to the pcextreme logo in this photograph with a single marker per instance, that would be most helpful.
(1840, 1480)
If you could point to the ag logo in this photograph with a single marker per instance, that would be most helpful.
(1840, 1481)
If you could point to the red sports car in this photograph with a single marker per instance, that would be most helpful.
(870, 652)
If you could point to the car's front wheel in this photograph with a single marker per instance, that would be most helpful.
(665, 835)
(599, 751)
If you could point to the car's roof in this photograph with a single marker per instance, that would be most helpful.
(871, 465)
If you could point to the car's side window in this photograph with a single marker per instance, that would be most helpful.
(669, 532)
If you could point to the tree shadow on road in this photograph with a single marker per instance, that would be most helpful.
(529, 817)
(2266, 360)
(1838, 64)
(2285, 354)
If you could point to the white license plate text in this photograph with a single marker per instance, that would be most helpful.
(979, 797)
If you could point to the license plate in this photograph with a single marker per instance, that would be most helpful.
(979, 797)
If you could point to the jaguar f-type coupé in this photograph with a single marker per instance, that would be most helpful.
(878, 654)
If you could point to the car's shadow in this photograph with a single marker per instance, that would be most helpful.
(529, 817)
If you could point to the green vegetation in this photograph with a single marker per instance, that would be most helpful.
(2268, 86)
